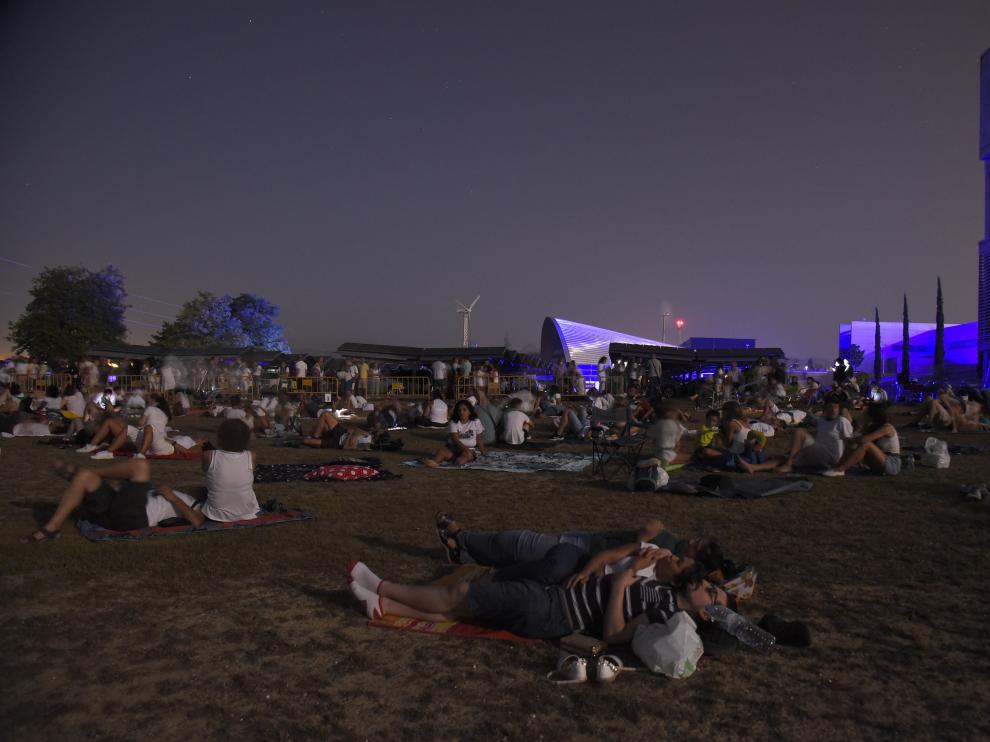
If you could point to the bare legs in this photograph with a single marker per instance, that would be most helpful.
(869, 454)
(86, 480)
(113, 429)
(799, 441)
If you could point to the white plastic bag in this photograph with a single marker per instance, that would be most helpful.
(647, 476)
(936, 454)
(672, 648)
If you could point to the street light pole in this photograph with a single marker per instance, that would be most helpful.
(663, 327)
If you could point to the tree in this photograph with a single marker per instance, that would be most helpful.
(877, 353)
(226, 320)
(906, 347)
(856, 355)
(939, 358)
(71, 309)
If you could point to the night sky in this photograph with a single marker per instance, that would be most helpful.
(765, 169)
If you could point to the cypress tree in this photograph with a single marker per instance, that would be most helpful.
(939, 359)
(906, 347)
(877, 360)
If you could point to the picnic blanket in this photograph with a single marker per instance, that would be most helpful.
(737, 488)
(522, 462)
(345, 469)
(97, 533)
(177, 456)
(463, 629)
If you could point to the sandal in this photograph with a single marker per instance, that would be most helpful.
(443, 523)
(46, 536)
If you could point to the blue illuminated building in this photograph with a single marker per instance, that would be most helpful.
(960, 347)
(583, 344)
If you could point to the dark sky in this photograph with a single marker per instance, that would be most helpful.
(761, 169)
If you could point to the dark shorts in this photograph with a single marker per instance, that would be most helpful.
(332, 438)
(523, 607)
(123, 509)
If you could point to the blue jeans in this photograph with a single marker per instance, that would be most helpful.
(560, 562)
(508, 548)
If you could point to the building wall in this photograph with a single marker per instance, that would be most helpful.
(960, 346)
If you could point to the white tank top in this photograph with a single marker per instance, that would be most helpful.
(438, 411)
(889, 444)
(738, 444)
(230, 487)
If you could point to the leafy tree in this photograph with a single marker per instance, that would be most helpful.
(856, 355)
(877, 353)
(906, 346)
(71, 309)
(226, 320)
(939, 358)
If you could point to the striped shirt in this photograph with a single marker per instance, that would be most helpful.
(586, 603)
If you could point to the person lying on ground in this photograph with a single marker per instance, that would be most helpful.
(877, 449)
(821, 451)
(331, 433)
(516, 546)
(610, 607)
(466, 434)
(131, 505)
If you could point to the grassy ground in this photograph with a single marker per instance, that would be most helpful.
(253, 634)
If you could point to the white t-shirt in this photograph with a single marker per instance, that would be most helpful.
(830, 434)
(159, 509)
(512, 427)
(438, 411)
(234, 413)
(762, 427)
(439, 370)
(527, 399)
(467, 432)
(301, 368)
(666, 433)
(791, 417)
(53, 403)
(76, 404)
(157, 420)
(136, 400)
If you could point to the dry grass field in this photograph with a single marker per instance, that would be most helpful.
(253, 635)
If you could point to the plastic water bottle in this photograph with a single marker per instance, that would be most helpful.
(749, 634)
(908, 462)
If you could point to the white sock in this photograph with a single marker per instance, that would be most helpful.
(372, 603)
(358, 572)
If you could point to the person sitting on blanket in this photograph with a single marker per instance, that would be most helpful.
(823, 450)
(466, 433)
(664, 435)
(229, 470)
(508, 548)
(149, 437)
(610, 607)
(707, 434)
(436, 413)
(877, 449)
(516, 425)
(131, 505)
(573, 422)
(331, 433)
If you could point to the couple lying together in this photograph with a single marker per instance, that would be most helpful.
(135, 504)
(546, 586)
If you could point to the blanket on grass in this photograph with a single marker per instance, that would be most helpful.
(366, 469)
(97, 533)
(462, 629)
(177, 456)
(736, 488)
(520, 462)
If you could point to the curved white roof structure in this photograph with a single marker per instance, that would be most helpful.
(584, 344)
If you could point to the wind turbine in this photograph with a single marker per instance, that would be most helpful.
(465, 312)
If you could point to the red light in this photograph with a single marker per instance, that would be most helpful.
(680, 324)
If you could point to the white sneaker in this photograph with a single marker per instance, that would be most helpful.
(358, 572)
(138, 456)
(102, 455)
(371, 601)
(88, 448)
(833, 473)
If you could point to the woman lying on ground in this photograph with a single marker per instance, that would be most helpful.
(466, 433)
(131, 505)
(878, 449)
(610, 607)
(508, 548)
(331, 433)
